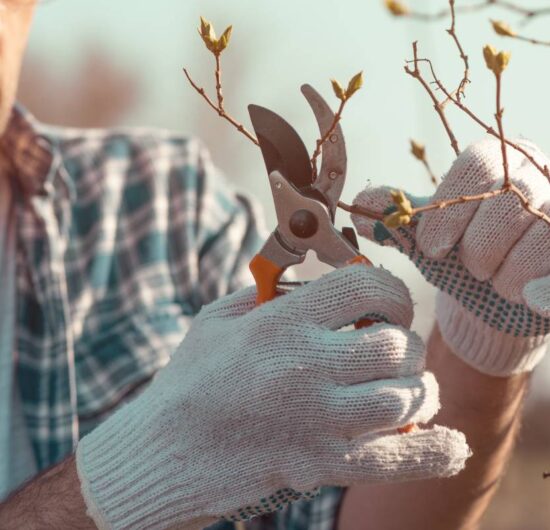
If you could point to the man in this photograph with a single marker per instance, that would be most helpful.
(118, 241)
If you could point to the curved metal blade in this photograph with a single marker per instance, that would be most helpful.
(332, 176)
(282, 148)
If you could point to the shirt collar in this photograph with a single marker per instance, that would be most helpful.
(31, 153)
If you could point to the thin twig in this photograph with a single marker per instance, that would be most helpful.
(418, 151)
(221, 112)
(359, 210)
(528, 14)
(452, 32)
(505, 30)
(440, 205)
(489, 129)
(511, 188)
(531, 40)
(319, 143)
(433, 178)
(437, 106)
(498, 117)
(218, 74)
(508, 186)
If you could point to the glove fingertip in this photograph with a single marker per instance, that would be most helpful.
(376, 200)
(453, 445)
(431, 242)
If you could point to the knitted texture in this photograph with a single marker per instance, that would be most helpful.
(491, 258)
(261, 403)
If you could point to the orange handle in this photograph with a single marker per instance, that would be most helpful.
(365, 323)
(267, 276)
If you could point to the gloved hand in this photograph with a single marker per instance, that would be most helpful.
(259, 404)
(490, 260)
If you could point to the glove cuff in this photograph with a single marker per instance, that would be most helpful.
(483, 347)
(130, 480)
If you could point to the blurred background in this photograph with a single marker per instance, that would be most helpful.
(119, 63)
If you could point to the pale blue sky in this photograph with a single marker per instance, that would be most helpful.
(284, 43)
(276, 46)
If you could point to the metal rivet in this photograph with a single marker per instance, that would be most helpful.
(333, 175)
(303, 224)
(278, 185)
(333, 138)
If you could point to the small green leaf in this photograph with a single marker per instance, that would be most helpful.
(205, 26)
(355, 83)
(338, 90)
(490, 54)
(224, 39)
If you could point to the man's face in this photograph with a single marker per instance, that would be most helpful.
(15, 21)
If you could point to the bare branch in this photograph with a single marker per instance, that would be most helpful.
(320, 142)
(218, 75)
(526, 13)
(505, 30)
(355, 209)
(344, 95)
(437, 105)
(418, 150)
(496, 62)
(216, 47)
(431, 174)
(532, 41)
(452, 32)
(221, 112)
(489, 129)
(440, 205)
(502, 138)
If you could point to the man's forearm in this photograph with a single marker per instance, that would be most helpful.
(487, 410)
(51, 501)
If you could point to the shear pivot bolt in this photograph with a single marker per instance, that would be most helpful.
(333, 138)
(303, 224)
(333, 175)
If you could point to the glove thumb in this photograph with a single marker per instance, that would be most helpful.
(379, 202)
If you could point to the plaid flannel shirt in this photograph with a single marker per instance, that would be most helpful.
(122, 237)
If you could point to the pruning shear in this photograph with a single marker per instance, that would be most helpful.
(305, 205)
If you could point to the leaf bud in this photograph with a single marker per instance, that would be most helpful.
(338, 90)
(490, 54)
(396, 8)
(502, 28)
(355, 83)
(418, 150)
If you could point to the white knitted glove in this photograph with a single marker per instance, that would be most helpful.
(490, 260)
(259, 404)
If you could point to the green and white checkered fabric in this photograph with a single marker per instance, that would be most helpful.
(122, 237)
